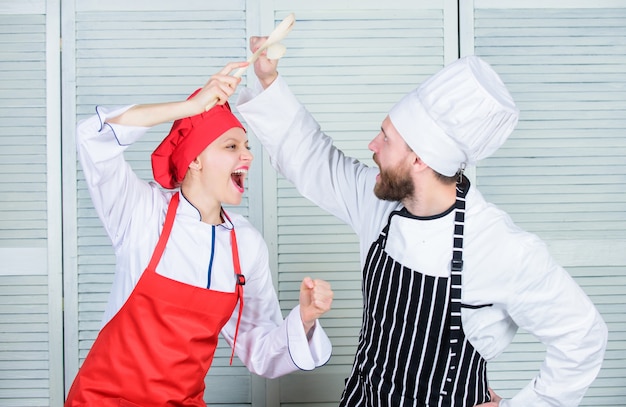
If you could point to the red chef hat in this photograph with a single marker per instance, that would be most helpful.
(187, 139)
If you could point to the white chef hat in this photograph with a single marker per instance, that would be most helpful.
(457, 117)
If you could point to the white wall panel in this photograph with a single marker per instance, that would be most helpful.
(30, 190)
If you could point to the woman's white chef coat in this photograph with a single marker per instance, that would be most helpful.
(133, 212)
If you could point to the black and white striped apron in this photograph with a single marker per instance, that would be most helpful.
(412, 350)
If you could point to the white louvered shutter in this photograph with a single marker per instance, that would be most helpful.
(348, 62)
(31, 328)
(562, 174)
(143, 52)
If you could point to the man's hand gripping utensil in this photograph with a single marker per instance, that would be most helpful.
(275, 50)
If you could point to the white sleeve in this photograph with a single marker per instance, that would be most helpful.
(267, 344)
(306, 156)
(114, 188)
(550, 305)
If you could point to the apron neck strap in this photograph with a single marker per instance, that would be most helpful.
(165, 233)
(454, 311)
(459, 221)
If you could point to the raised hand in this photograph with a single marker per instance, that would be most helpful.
(264, 68)
(219, 87)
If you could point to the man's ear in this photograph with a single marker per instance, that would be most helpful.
(418, 164)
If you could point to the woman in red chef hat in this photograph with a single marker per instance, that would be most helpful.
(179, 279)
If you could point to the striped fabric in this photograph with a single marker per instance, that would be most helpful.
(412, 350)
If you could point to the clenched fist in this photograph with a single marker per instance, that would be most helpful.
(316, 298)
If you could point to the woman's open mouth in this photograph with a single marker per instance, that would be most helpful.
(238, 176)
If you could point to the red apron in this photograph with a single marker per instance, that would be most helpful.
(157, 350)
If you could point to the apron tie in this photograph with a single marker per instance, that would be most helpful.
(241, 281)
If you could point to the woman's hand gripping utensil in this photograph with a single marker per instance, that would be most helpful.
(275, 50)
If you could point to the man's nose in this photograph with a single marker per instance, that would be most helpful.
(373, 145)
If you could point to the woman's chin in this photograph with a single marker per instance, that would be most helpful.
(233, 199)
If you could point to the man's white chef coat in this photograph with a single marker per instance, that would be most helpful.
(503, 265)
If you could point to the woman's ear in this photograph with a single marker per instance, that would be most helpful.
(195, 164)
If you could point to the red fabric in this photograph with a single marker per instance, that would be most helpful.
(187, 139)
(241, 281)
(158, 348)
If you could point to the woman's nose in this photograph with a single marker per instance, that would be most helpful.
(247, 155)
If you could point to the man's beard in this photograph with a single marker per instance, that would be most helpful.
(394, 185)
